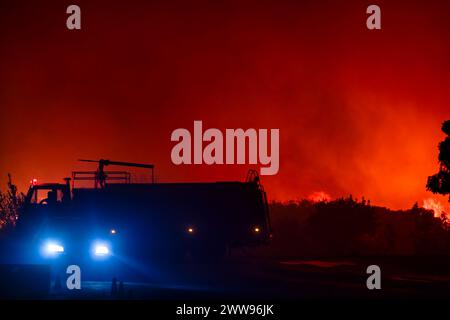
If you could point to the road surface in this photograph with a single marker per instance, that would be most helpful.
(282, 279)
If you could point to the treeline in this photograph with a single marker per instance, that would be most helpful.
(349, 228)
(10, 202)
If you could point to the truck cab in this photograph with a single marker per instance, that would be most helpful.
(44, 201)
(47, 194)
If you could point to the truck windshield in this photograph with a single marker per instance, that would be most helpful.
(46, 196)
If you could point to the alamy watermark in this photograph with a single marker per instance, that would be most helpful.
(235, 146)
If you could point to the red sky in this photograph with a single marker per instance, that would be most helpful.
(359, 111)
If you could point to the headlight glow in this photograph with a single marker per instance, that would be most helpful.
(101, 250)
(53, 248)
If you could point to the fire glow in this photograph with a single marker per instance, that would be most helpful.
(437, 207)
(319, 196)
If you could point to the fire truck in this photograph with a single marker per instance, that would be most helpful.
(139, 223)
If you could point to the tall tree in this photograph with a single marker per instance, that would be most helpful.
(440, 182)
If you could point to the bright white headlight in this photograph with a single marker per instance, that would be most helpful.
(101, 250)
(53, 248)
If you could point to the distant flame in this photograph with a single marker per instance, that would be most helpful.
(437, 207)
(319, 196)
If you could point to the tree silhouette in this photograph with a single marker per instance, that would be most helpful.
(10, 202)
(440, 182)
(346, 227)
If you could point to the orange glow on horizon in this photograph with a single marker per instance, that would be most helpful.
(319, 196)
(437, 207)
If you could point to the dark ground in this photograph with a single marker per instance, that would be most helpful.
(256, 278)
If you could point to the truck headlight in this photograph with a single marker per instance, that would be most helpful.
(101, 249)
(53, 248)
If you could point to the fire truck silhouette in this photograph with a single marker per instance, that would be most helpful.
(143, 222)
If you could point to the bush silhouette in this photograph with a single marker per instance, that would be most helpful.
(440, 182)
(10, 202)
(348, 228)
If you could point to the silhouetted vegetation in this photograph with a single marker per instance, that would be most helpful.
(440, 182)
(10, 202)
(348, 227)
